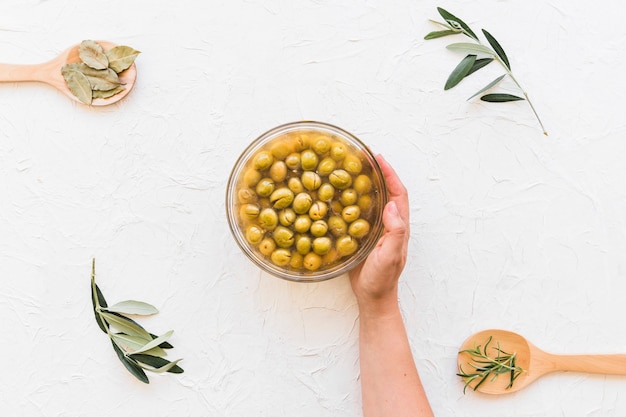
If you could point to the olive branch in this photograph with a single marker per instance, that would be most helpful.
(137, 349)
(471, 63)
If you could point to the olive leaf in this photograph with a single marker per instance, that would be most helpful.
(136, 348)
(92, 54)
(121, 57)
(460, 71)
(79, 85)
(468, 65)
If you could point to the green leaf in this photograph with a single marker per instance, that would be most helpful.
(133, 307)
(471, 48)
(158, 364)
(500, 98)
(97, 299)
(134, 343)
(480, 63)
(441, 34)
(461, 70)
(132, 367)
(126, 325)
(488, 86)
(455, 22)
(155, 342)
(164, 345)
(121, 57)
(496, 47)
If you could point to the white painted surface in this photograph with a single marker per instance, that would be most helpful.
(510, 228)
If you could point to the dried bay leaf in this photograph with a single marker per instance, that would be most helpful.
(121, 57)
(92, 54)
(107, 93)
(78, 84)
(102, 80)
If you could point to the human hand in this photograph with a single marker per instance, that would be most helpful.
(375, 281)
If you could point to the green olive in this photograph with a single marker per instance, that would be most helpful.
(249, 211)
(349, 197)
(293, 161)
(338, 151)
(321, 245)
(281, 257)
(340, 179)
(362, 184)
(326, 192)
(302, 203)
(263, 160)
(268, 219)
(336, 207)
(280, 150)
(251, 177)
(302, 224)
(308, 160)
(297, 260)
(282, 198)
(359, 228)
(318, 210)
(265, 187)
(301, 142)
(337, 226)
(321, 144)
(346, 245)
(352, 164)
(365, 203)
(326, 166)
(319, 228)
(311, 180)
(246, 195)
(312, 261)
(254, 234)
(295, 185)
(351, 213)
(286, 217)
(278, 171)
(303, 244)
(331, 256)
(283, 236)
(267, 246)
(264, 203)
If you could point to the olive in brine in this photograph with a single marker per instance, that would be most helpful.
(337, 226)
(365, 203)
(286, 217)
(263, 160)
(278, 171)
(265, 187)
(281, 257)
(246, 195)
(352, 164)
(311, 180)
(283, 236)
(326, 192)
(351, 213)
(318, 210)
(340, 179)
(318, 228)
(338, 151)
(349, 197)
(267, 246)
(312, 261)
(268, 219)
(308, 160)
(302, 224)
(249, 211)
(346, 245)
(331, 257)
(280, 150)
(282, 198)
(297, 260)
(254, 234)
(321, 144)
(293, 161)
(359, 228)
(362, 184)
(251, 177)
(303, 244)
(321, 245)
(295, 185)
(326, 166)
(302, 203)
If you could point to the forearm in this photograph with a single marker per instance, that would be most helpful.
(389, 379)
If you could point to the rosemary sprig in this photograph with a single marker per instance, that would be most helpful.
(485, 366)
(135, 347)
(470, 64)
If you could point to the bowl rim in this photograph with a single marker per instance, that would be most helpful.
(305, 276)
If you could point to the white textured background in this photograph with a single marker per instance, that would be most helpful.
(510, 228)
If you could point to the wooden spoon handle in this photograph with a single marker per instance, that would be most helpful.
(17, 73)
(598, 364)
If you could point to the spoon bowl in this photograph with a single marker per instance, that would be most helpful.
(534, 361)
(50, 73)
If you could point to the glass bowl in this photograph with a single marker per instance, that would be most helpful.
(304, 201)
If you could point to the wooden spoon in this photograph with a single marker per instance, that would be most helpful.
(50, 73)
(533, 361)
